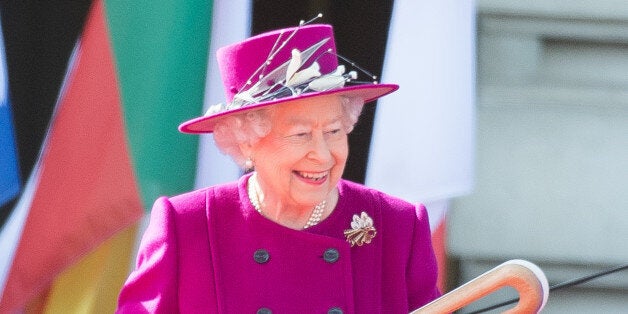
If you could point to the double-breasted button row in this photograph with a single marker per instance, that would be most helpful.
(261, 256)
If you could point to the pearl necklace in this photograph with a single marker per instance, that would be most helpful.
(253, 192)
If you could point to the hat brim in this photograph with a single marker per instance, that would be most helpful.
(368, 92)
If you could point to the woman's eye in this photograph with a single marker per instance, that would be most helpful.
(299, 137)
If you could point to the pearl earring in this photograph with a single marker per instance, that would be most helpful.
(248, 164)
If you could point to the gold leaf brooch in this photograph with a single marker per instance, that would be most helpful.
(362, 230)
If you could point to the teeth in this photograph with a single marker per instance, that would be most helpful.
(313, 176)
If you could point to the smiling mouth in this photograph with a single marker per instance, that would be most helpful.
(312, 176)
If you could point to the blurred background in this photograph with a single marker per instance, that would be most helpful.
(511, 125)
(552, 148)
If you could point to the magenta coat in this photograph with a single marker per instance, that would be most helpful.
(209, 251)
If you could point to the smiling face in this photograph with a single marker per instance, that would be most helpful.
(303, 157)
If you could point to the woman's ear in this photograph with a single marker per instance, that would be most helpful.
(247, 150)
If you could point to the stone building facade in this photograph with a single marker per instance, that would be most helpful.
(552, 149)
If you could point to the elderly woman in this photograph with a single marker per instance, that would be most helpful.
(290, 236)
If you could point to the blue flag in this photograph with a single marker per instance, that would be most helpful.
(9, 171)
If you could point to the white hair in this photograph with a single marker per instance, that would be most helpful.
(249, 127)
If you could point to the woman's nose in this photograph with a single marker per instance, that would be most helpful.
(320, 149)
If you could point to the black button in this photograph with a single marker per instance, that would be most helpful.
(331, 255)
(261, 256)
(334, 310)
(264, 311)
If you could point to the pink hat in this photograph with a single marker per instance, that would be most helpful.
(282, 66)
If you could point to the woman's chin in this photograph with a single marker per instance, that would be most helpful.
(312, 198)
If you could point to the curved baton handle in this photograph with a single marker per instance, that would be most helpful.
(527, 278)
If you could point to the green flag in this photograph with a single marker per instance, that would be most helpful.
(161, 48)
